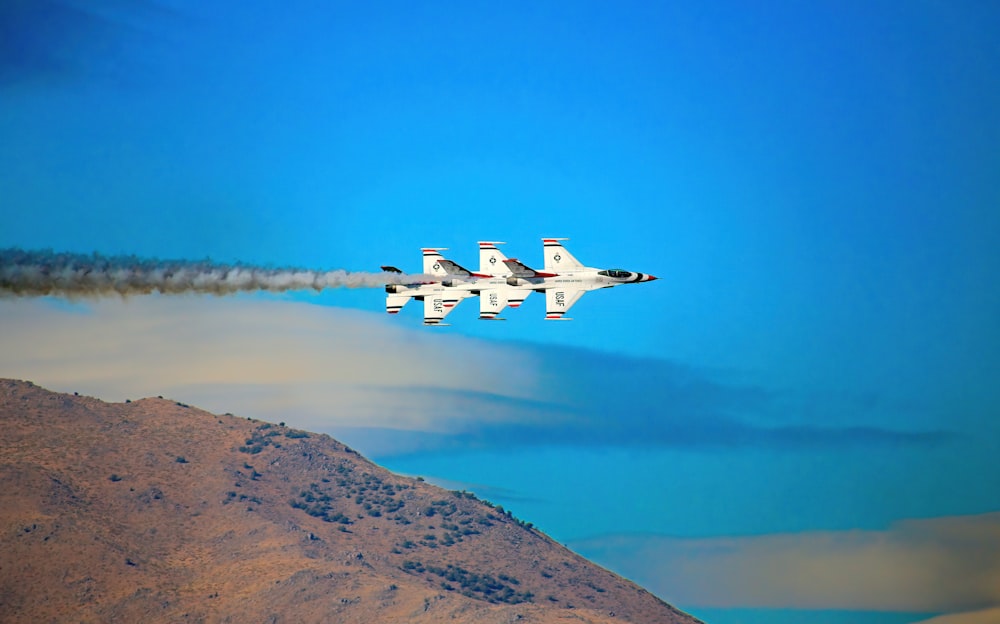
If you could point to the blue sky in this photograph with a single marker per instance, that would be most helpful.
(815, 184)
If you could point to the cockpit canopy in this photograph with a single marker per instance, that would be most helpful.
(616, 273)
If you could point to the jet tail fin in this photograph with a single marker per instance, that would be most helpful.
(432, 261)
(557, 257)
(491, 259)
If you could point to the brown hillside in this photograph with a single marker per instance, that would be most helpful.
(155, 511)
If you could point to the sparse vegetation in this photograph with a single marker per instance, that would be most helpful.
(232, 497)
(258, 440)
(473, 585)
(318, 504)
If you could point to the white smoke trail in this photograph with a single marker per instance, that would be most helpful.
(37, 273)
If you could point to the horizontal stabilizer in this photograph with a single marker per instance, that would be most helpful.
(394, 303)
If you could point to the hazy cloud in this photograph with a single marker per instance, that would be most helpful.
(318, 367)
(980, 616)
(948, 564)
(388, 389)
(588, 398)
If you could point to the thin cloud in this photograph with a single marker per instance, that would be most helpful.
(587, 398)
(387, 389)
(947, 564)
(980, 616)
(317, 367)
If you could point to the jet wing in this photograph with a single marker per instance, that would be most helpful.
(491, 303)
(457, 270)
(558, 301)
(518, 269)
(439, 305)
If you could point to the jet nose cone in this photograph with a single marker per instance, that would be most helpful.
(650, 278)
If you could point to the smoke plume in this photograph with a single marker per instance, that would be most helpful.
(36, 273)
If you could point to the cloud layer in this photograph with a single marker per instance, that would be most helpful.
(948, 564)
(276, 360)
(398, 389)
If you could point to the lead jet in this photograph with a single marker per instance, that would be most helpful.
(565, 279)
(438, 294)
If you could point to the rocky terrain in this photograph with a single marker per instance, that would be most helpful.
(152, 510)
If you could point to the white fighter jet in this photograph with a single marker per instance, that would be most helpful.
(503, 282)
(564, 278)
(494, 292)
(439, 295)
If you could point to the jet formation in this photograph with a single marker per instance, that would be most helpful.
(502, 282)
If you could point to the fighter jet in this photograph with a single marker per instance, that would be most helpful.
(565, 279)
(439, 296)
(494, 292)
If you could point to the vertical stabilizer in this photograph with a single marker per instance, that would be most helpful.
(556, 256)
(491, 259)
(432, 261)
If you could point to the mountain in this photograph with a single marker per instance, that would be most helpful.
(152, 510)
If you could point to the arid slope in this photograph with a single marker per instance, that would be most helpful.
(155, 511)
